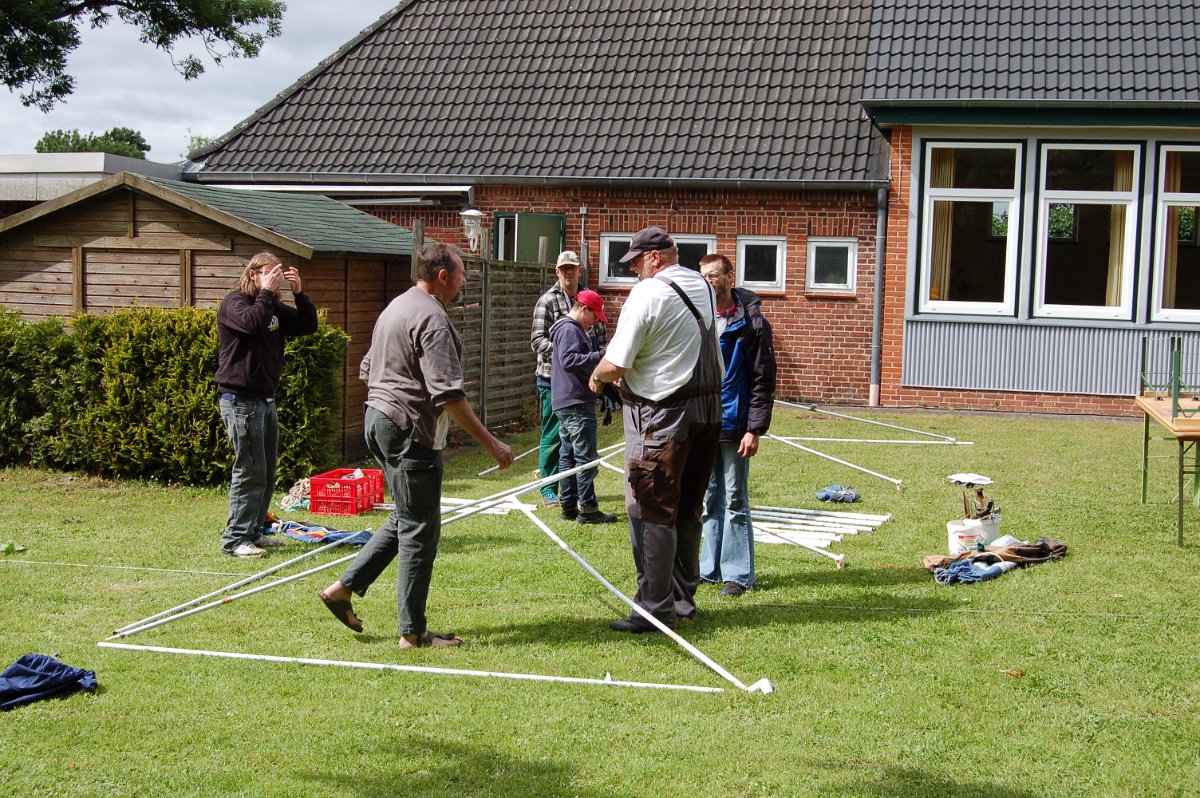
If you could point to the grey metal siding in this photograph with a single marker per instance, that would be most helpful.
(1038, 359)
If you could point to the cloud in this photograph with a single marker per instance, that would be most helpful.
(121, 82)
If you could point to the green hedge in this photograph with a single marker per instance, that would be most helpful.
(131, 394)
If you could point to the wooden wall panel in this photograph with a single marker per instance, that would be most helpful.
(123, 278)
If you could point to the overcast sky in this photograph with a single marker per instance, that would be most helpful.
(120, 82)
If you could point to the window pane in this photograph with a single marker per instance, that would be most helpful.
(1183, 172)
(1181, 275)
(999, 220)
(759, 262)
(968, 256)
(1062, 222)
(1089, 170)
(616, 251)
(1089, 269)
(973, 168)
(831, 265)
(690, 255)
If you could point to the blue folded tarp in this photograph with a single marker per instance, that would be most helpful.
(311, 533)
(37, 676)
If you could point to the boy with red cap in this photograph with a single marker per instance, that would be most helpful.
(575, 405)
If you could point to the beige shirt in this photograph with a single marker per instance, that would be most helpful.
(414, 366)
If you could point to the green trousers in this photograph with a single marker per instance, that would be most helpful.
(550, 443)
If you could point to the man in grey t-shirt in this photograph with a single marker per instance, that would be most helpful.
(414, 376)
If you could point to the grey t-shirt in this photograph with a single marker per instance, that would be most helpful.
(414, 365)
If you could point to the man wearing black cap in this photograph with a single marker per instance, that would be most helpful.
(666, 354)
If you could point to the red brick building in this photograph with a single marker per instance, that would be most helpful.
(1034, 201)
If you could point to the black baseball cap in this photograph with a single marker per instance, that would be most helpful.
(648, 239)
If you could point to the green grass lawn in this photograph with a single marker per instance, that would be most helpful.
(887, 684)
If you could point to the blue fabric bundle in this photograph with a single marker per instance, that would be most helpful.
(37, 676)
(836, 493)
(976, 569)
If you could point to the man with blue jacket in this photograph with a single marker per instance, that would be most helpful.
(747, 395)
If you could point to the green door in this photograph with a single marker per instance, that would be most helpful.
(533, 226)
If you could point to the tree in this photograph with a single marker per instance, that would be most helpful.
(118, 141)
(196, 141)
(36, 36)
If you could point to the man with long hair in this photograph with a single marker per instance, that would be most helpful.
(252, 323)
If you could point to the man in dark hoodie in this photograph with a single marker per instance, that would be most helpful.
(252, 324)
(747, 395)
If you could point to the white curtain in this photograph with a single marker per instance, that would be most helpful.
(941, 176)
(1122, 181)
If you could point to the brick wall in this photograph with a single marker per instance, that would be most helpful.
(822, 342)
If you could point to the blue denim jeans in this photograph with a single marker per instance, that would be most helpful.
(253, 430)
(728, 551)
(412, 532)
(577, 432)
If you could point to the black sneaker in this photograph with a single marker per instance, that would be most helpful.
(596, 517)
(626, 625)
(570, 513)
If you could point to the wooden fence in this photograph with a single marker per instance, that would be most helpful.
(494, 319)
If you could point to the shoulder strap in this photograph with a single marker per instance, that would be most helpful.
(683, 295)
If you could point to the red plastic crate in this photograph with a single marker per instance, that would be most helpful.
(332, 493)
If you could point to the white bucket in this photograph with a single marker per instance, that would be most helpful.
(968, 533)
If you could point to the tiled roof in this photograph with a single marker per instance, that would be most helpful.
(1034, 52)
(686, 90)
(325, 225)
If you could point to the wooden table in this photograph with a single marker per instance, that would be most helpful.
(1184, 427)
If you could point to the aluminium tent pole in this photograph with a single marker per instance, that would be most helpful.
(839, 559)
(895, 482)
(239, 583)
(762, 685)
(801, 511)
(608, 681)
(816, 409)
(515, 459)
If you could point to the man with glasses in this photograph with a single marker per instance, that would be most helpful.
(666, 355)
(252, 323)
(550, 307)
(747, 396)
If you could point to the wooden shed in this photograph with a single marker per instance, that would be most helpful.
(132, 240)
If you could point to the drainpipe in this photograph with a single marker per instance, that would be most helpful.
(881, 205)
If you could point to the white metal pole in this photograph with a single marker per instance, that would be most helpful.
(239, 583)
(840, 559)
(877, 440)
(878, 519)
(229, 599)
(815, 522)
(763, 685)
(816, 409)
(608, 681)
(895, 482)
(515, 459)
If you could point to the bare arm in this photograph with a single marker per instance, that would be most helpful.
(605, 372)
(460, 411)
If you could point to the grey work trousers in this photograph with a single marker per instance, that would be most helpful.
(414, 476)
(253, 429)
(668, 459)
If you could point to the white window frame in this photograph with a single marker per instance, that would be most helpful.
(780, 244)
(850, 287)
(710, 242)
(1007, 306)
(1168, 199)
(1048, 197)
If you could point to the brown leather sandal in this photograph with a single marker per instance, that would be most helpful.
(342, 610)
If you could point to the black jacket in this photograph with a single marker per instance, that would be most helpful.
(250, 333)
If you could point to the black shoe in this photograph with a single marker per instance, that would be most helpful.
(626, 625)
(596, 517)
(570, 513)
(732, 589)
